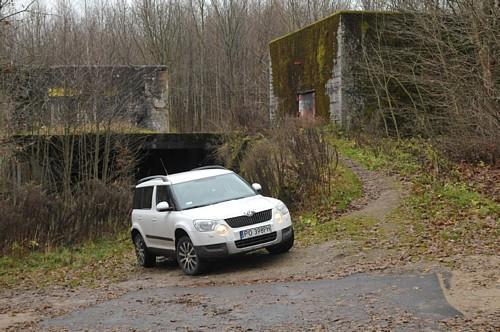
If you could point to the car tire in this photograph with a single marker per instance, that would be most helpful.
(283, 246)
(188, 258)
(144, 257)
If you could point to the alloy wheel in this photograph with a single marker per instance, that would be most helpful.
(140, 250)
(188, 257)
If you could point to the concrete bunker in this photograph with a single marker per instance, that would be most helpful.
(317, 71)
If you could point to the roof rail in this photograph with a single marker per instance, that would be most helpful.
(161, 177)
(209, 167)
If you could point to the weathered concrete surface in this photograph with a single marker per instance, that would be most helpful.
(401, 302)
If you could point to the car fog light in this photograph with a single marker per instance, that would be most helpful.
(221, 229)
(278, 217)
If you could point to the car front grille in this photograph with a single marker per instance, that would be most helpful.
(255, 240)
(242, 221)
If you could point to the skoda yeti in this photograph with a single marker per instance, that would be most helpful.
(205, 213)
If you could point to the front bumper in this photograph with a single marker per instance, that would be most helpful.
(231, 248)
(286, 233)
(212, 251)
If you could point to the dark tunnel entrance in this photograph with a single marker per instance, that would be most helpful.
(154, 152)
(159, 161)
(176, 153)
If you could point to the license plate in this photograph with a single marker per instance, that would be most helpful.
(261, 230)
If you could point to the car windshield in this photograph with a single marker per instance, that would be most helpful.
(211, 190)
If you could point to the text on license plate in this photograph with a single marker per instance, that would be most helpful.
(255, 231)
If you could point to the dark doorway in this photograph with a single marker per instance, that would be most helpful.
(307, 106)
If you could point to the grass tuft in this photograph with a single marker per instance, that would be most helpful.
(354, 228)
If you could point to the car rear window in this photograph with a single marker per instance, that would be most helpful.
(142, 198)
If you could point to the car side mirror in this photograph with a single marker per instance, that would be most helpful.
(163, 207)
(256, 186)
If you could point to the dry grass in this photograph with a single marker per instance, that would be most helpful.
(38, 219)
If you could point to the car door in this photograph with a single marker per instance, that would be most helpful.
(143, 213)
(164, 222)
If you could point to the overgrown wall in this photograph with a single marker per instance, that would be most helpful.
(303, 61)
(83, 95)
(324, 57)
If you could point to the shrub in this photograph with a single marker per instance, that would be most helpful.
(292, 161)
(38, 219)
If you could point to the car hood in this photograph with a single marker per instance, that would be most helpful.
(232, 208)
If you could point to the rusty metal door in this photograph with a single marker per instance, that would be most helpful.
(307, 107)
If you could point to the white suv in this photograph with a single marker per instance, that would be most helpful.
(205, 213)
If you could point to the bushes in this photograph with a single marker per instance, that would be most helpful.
(294, 162)
(39, 219)
(64, 189)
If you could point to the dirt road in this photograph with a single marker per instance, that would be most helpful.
(403, 302)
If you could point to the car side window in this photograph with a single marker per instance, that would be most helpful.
(146, 198)
(163, 195)
(137, 198)
(142, 198)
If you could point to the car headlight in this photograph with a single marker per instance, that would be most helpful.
(281, 207)
(208, 225)
(205, 225)
(281, 211)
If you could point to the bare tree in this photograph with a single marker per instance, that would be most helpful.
(158, 25)
(9, 10)
(433, 71)
(300, 13)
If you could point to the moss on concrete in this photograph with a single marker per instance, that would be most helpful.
(304, 60)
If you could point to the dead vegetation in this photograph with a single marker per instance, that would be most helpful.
(38, 219)
(294, 161)
(434, 73)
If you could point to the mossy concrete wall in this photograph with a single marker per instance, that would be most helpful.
(303, 61)
(73, 95)
(325, 57)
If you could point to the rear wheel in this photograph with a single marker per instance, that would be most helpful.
(283, 246)
(188, 259)
(144, 257)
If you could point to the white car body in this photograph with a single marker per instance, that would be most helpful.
(239, 225)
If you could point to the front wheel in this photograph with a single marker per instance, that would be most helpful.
(188, 259)
(144, 257)
(282, 247)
